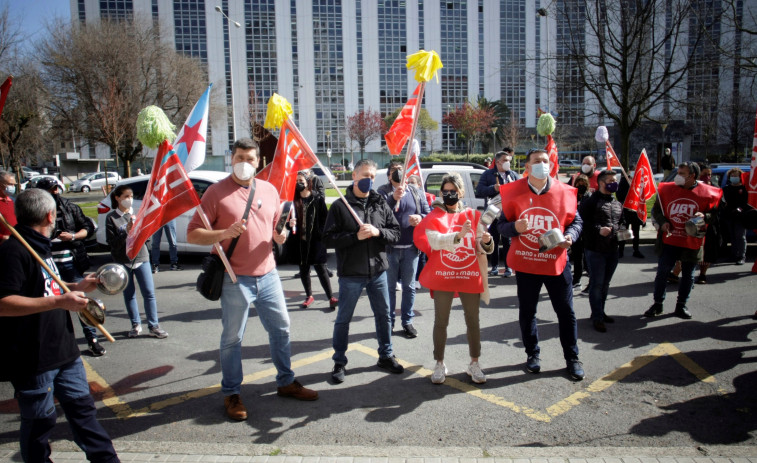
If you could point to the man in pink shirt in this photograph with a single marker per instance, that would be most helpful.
(255, 268)
(7, 188)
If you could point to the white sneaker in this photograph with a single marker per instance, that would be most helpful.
(136, 329)
(398, 286)
(440, 373)
(417, 285)
(476, 374)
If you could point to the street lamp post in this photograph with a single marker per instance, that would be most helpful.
(543, 13)
(231, 72)
(328, 146)
(494, 139)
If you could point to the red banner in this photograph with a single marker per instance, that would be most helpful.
(612, 158)
(169, 194)
(293, 154)
(413, 164)
(751, 185)
(642, 187)
(4, 91)
(398, 134)
(554, 161)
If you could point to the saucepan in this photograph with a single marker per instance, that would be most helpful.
(551, 239)
(696, 227)
(112, 278)
(625, 234)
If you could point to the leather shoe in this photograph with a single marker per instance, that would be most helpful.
(682, 312)
(608, 319)
(600, 326)
(410, 331)
(235, 409)
(576, 370)
(533, 365)
(297, 391)
(654, 311)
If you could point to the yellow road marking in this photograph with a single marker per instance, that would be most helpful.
(122, 409)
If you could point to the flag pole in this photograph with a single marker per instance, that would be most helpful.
(412, 137)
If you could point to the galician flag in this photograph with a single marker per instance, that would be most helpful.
(190, 143)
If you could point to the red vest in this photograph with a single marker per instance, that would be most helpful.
(554, 209)
(680, 204)
(593, 183)
(450, 271)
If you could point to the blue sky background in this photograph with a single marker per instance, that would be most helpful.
(33, 15)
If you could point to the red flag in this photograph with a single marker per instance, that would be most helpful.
(554, 161)
(4, 91)
(642, 187)
(292, 155)
(751, 184)
(398, 134)
(169, 194)
(612, 158)
(413, 164)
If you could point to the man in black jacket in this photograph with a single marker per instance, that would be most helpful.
(72, 227)
(362, 263)
(488, 188)
(602, 216)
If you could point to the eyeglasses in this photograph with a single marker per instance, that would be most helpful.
(448, 191)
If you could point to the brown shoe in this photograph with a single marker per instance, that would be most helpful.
(234, 407)
(297, 391)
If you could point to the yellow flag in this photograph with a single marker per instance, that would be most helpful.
(425, 63)
(278, 111)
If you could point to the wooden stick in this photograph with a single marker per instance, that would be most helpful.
(55, 277)
(410, 140)
(217, 246)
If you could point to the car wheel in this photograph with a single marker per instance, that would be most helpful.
(85, 189)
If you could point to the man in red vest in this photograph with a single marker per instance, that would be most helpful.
(530, 207)
(677, 202)
(588, 168)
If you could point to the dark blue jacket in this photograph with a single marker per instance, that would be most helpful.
(487, 186)
(413, 203)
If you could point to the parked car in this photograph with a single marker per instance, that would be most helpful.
(337, 168)
(32, 183)
(434, 172)
(321, 175)
(570, 163)
(201, 179)
(28, 173)
(94, 181)
(719, 172)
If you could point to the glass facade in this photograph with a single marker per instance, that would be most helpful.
(513, 78)
(116, 9)
(329, 71)
(190, 31)
(392, 38)
(569, 96)
(454, 54)
(260, 46)
(702, 95)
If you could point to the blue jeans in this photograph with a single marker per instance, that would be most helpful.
(601, 267)
(143, 275)
(666, 262)
(170, 229)
(560, 290)
(69, 274)
(738, 240)
(378, 296)
(402, 264)
(35, 396)
(266, 293)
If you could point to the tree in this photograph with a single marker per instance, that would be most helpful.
(99, 76)
(364, 127)
(502, 121)
(631, 56)
(471, 122)
(426, 128)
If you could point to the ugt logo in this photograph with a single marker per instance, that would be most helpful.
(540, 220)
(681, 210)
(464, 254)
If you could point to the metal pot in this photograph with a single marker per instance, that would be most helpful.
(96, 308)
(551, 239)
(625, 234)
(112, 278)
(490, 214)
(696, 227)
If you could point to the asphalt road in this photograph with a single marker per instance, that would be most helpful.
(664, 382)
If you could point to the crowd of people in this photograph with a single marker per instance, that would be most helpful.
(383, 237)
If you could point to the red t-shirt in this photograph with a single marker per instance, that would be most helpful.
(9, 213)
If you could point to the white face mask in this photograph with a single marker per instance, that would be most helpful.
(244, 171)
(679, 180)
(506, 165)
(126, 203)
(586, 168)
(10, 189)
(540, 170)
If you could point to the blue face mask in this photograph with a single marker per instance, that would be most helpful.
(365, 185)
(540, 170)
(735, 180)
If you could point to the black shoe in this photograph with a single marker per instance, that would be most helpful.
(533, 365)
(576, 370)
(330, 272)
(95, 348)
(682, 312)
(296, 275)
(654, 311)
(337, 374)
(176, 267)
(410, 331)
(155, 268)
(702, 280)
(638, 255)
(600, 326)
(672, 278)
(620, 253)
(608, 319)
(391, 364)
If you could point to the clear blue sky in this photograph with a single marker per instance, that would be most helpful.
(33, 15)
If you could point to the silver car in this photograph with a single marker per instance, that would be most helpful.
(94, 181)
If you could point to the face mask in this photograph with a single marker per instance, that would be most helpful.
(126, 203)
(397, 176)
(680, 180)
(10, 189)
(540, 170)
(244, 171)
(612, 187)
(581, 189)
(365, 185)
(450, 199)
(299, 187)
(733, 180)
(705, 178)
(506, 165)
(586, 168)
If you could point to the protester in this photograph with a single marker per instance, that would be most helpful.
(170, 231)
(713, 239)
(72, 227)
(402, 256)
(678, 202)
(531, 207)
(576, 253)
(601, 214)
(362, 263)
(631, 219)
(42, 360)
(735, 196)
(310, 212)
(258, 280)
(449, 234)
(588, 168)
(118, 224)
(667, 163)
(7, 190)
(488, 188)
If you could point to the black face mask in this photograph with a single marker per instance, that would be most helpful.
(581, 189)
(299, 187)
(450, 199)
(397, 175)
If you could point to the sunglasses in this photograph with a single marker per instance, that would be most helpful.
(448, 191)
